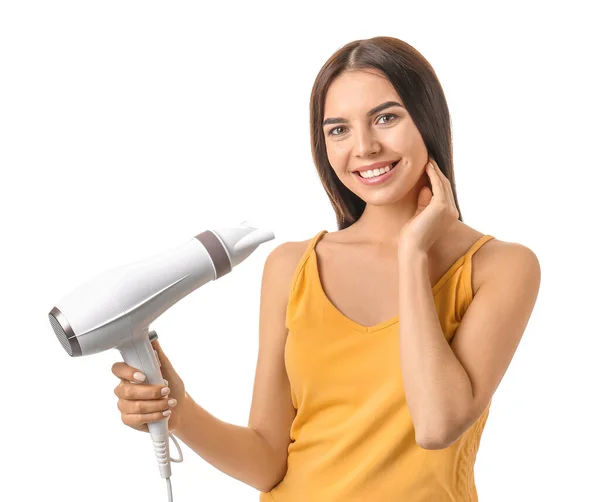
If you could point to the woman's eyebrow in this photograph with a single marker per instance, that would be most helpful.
(377, 109)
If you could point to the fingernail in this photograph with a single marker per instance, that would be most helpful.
(164, 391)
(140, 377)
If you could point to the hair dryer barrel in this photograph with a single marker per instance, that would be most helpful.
(113, 306)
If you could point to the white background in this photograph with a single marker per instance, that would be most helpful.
(129, 127)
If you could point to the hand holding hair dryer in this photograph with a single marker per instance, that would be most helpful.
(114, 309)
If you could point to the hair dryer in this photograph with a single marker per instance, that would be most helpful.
(114, 309)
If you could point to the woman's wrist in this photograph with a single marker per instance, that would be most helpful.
(184, 410)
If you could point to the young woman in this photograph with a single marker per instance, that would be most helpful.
(381, 344)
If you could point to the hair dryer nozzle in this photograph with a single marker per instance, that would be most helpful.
(240, 242)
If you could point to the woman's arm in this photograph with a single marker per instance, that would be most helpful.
(448, 386)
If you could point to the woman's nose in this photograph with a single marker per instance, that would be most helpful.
(366, 143)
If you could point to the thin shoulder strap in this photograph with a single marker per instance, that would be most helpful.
(468, 264)
(303, 260)
(478, 243)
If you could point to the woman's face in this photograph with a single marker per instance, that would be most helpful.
(359, 132)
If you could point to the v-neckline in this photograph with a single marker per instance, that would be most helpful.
(394, 320)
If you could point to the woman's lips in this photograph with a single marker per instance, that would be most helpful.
(376, 180)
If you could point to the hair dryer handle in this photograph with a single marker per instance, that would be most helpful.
(139, 354)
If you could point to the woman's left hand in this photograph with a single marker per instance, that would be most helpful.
(435, 212)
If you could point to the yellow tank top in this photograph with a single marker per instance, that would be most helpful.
(352, 438)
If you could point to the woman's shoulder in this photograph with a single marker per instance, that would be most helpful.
(288, 254)
(494, 256)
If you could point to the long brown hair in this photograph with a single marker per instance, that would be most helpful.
(417, 85)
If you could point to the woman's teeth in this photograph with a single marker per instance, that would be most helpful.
(376, 172)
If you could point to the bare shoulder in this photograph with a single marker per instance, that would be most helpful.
(284, 259)
(498, 257)
(288, 251)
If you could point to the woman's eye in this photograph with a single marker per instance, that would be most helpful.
(331, 131)
(388, 115)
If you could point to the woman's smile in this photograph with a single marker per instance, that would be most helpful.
(377, 177)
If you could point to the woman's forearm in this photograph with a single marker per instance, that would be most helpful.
(435, 383)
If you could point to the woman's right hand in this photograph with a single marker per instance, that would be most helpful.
(141, 403)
